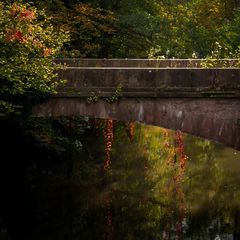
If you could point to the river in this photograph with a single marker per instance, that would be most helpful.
(129, 181)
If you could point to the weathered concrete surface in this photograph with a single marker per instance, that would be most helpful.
(148, 78)
(143, 63)
(154, 82)
(214, 119)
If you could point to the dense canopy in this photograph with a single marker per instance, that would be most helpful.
(148, 28)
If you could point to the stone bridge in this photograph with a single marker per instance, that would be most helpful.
(175, 94)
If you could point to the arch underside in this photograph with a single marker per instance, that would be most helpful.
(213, 119)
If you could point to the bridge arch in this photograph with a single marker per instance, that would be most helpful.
(213, 119)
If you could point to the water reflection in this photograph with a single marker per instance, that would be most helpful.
(131, 181)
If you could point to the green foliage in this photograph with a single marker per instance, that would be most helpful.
(219, 58)
(180, 29)
(28, 43)
(141, 28)
(90, 27)
(135, 28)
(92, 98)
(116, 95)
(190, 29)
(105, 28)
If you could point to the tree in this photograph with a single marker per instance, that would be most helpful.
(28, 43)
(192, 28)
(104, 28)
(146, 28)
(90, 26)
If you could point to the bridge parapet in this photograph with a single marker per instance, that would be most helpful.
(146, 63)
(144, 78)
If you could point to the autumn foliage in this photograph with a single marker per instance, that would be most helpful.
(28, 42)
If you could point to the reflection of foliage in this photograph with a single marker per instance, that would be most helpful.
(207, 174)
(168, 167)
(108, 138)
(151, 193)
(109, 219)
(177, 193)
(130, 127)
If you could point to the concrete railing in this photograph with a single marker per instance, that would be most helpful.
(146, 63)
(148, 78)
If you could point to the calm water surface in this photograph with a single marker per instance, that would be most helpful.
(129, 181)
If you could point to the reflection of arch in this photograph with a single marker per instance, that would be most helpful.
(214, 119)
